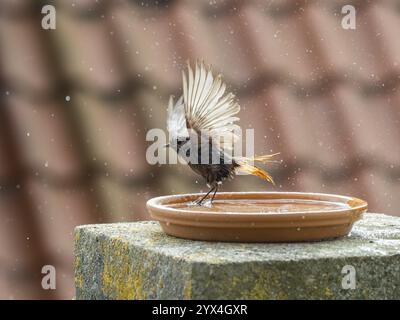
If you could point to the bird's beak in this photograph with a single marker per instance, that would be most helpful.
(166, 145)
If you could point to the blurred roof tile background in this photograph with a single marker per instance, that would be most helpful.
(76, 103)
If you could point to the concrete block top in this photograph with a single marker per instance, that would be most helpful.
(138, 261)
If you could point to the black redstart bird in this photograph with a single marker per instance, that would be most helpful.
(202, 129)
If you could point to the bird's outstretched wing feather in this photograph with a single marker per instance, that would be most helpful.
(207, 107)
(176, 119)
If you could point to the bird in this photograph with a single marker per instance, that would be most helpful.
(202, 127)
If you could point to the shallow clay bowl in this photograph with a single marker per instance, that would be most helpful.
(258, 216)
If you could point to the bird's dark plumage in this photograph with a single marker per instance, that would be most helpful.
(202, 128)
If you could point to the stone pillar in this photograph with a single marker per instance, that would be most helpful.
(138, 261)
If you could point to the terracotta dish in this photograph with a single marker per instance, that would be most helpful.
(258, 216)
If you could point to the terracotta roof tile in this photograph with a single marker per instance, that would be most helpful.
(257, 113)
(8, 168)
(24, 57)
(44, 135)
(19, 238)
(347, 54)
(124, 202)
(59, 211)
(305, 180)
(311, 181)
(386, 22)
(189, 182)
(373, 124)
(95, 65)
(282, 7)
(284, 46)
(22, 250)
(327, 138)
(219, 40)
(152, 105)
(83, 7)
(338, 4)
(16, 286)
(383, 191)
(65, 283)
(113, 133)
(291, 133)
(146, 40)
(15, 7)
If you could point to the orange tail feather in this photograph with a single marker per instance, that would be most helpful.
(255, 171)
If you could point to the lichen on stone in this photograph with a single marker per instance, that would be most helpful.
(138, 261)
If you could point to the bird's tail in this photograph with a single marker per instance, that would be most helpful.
(246, 165)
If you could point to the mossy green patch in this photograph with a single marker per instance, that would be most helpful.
(119, 279)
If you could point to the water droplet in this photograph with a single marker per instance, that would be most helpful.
(67, 98)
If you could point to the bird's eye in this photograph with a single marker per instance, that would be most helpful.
(181, 142)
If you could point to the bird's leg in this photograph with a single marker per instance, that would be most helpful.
(198, 202)
(215, 192)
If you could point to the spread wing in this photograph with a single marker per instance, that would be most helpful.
(208, 109)
(176, 119)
